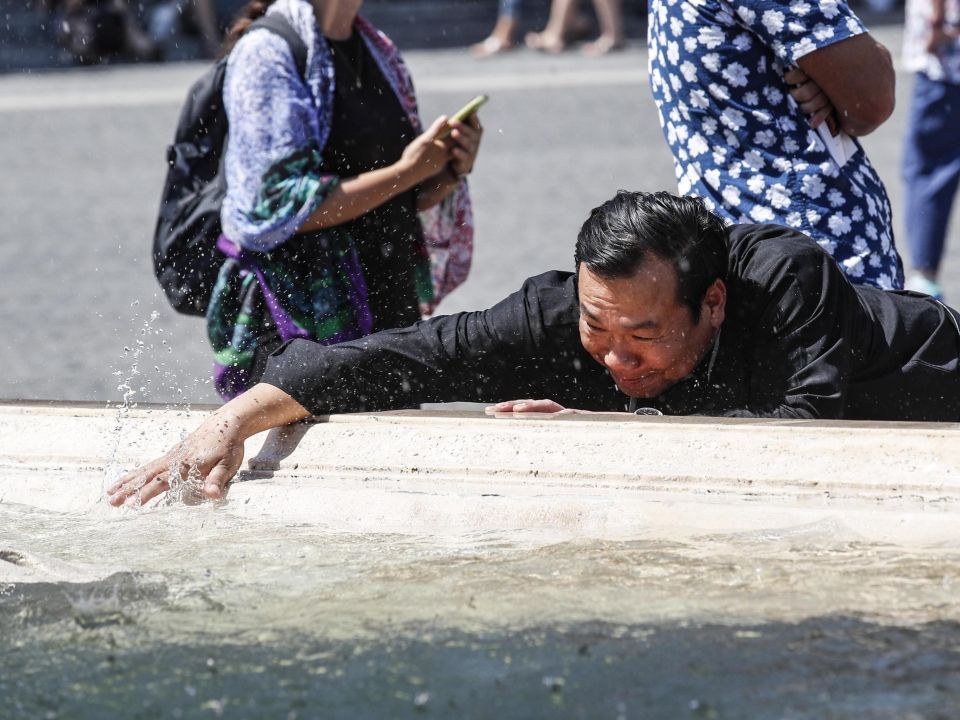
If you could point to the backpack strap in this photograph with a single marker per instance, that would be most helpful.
(279, 25)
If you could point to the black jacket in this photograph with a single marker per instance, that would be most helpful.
(798, 341)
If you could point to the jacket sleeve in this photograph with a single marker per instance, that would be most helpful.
(803, 354)
(515, 349)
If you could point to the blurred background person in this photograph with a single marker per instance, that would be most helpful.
(504, 33)
(566, 23)
(100, 31)
(931, 159)
(169, 19)
(336, 201)
(881, 6)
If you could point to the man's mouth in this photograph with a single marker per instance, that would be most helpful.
(638, 383)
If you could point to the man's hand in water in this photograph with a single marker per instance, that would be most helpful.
(211, 454)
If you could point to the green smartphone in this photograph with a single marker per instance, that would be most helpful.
(466, 111)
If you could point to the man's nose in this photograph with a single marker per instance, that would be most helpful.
(618, 359)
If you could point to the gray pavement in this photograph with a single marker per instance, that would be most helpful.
(83, 163)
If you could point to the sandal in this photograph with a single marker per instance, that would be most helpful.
(491, 46)
(536, 41)
(601, 46)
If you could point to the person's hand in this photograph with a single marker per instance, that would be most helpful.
(813, 102)
(208, 457)
(427, 154)
(466, 136)
(520, 407)
(211, 455)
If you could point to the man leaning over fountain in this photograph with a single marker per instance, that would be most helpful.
(670, 311)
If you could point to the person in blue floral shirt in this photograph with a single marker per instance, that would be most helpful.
(761, 102)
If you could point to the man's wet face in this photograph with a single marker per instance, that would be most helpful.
(639, 331)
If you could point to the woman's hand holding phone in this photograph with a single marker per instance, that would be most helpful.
(427, 154)
(449, 142)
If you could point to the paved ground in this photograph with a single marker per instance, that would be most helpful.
(83, 165)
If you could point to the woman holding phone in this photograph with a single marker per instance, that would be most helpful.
(342, 215)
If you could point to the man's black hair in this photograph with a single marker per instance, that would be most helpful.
(621, 234)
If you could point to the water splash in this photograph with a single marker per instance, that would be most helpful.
(129, 386)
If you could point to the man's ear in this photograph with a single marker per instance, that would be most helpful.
(714, 305)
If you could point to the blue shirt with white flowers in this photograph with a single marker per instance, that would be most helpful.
(739, 140)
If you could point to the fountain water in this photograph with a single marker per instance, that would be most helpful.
(402, 563)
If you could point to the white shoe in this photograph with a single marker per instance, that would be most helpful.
(922, 284)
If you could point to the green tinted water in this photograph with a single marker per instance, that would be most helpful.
(194, 612)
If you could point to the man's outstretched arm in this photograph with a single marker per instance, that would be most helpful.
(507, 351)
(389, 370)
(214, 451)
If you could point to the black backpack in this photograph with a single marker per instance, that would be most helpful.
(185, 257)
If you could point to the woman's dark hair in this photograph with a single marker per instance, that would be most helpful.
(621, 234)
(244, 19)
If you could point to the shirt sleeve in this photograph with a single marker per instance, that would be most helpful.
(525, 346)
(798, 27)
(803, 355)
(273, 156)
